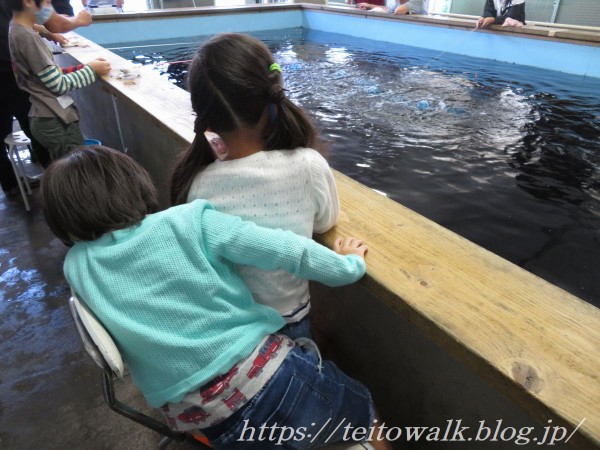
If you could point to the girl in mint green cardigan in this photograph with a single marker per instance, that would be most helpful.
(164, 285)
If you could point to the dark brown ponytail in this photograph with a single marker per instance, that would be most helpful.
(232, 80)
(189, 163)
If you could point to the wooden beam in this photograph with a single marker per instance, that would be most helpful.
(533, 341)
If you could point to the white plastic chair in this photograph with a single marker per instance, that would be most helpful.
(13, 143)
(102, 349)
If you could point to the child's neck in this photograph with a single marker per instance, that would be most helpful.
(246, 141)
(243, 142)
(24, 18)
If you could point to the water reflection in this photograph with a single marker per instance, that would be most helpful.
(504, 155)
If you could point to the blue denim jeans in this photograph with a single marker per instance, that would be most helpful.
(304, 405)
(300, 329)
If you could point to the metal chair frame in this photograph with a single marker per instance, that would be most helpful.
(13, 142)
(110, 371)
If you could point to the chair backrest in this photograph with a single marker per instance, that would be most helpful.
(96, 340)
(104, 352)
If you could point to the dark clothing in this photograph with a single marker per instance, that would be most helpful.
(514, 9)
(13, 103)
(5, 18)
(63, 7)
(8, 83)
(10, 99)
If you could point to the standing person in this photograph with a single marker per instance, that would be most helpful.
(13, 101)
(497, 11)
(53, 115)
(164, 284)
(271, 173)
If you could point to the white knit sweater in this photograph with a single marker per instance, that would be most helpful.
(287, 189)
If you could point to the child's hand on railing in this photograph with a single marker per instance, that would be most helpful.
(350, 245)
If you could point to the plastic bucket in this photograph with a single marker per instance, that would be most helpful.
(89, 142)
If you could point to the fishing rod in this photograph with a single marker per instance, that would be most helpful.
(446, 51)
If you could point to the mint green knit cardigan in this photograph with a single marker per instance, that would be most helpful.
(168, 292)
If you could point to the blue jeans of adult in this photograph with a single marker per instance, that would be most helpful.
(306, 404)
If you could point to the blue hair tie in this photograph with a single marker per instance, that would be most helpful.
(272, 112)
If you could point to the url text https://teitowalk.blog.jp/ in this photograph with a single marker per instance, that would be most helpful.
(452, 431)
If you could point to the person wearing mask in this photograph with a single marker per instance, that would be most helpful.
(15, 102)
(53, 116)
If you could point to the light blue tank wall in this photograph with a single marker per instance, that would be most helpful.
(545, 54)
(506, 47)
(106, 33)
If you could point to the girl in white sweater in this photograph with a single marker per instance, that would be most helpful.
(271, 173)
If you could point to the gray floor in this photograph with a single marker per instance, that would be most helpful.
(50, 394)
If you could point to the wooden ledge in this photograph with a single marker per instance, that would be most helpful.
(532, 341)
(200, 11)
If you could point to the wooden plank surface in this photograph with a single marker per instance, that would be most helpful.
(168, 105)
(535, 342)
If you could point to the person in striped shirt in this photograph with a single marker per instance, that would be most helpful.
(53, 116)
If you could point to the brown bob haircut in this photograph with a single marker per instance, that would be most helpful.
(94, 190)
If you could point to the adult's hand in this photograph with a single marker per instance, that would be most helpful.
(60, 24)
(83, 19)
(56, 37)
(485, 22)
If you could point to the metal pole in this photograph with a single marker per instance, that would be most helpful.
(114, 101)
(555, 11)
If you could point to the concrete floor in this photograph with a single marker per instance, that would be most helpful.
(50, 394)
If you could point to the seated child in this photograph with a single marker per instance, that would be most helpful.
(164, 285)
(396, 7)
(500, 11)
(53, 115)
(273, 171)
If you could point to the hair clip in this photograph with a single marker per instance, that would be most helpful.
(276, 67)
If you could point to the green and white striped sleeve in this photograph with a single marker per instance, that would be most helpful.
(60, 83)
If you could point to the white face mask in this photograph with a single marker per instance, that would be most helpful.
(42, 16)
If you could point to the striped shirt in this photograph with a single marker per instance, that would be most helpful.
(39, 75)
(59, 83)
